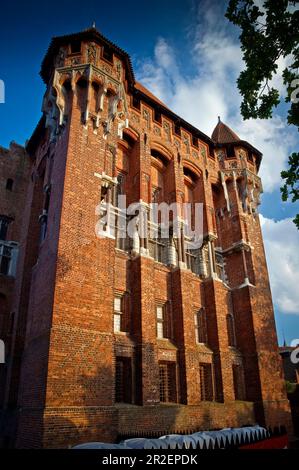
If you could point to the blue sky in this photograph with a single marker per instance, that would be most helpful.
(188, 55)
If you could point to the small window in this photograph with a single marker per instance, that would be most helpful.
(206, 382)
(108, 54)
(200, 326)
(76, 47)
(118, 314)
(160, 322)
(121, 313)
(157, 246)
(230, 151)
(191, 258)
(231, 333)
(9, 184)
(168, 387)
(177, 129)
(157, 115)
(136, 102)
(194, 141)
(123, 380)
(163, 326)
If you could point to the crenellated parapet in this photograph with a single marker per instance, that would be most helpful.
(247, 185)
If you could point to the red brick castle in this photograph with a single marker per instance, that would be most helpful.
(113, 336)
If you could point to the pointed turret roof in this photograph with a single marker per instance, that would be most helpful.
(222, 134)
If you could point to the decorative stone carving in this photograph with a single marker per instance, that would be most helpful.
(203, 153)
(122, 125)
(76, 60)
(134, 118)
(242, 154)
(167, 131)
(157, 130)
(220, 155)
(54, 107)
(112, 110)
(117, 108)
(194, 154)
(243, 158)
(146, 117)
(118, 70)
(244, 192)
(60, 59)
(100, 103)
(186, 142)
(92, 54)
(54, 100)
(106, 69)
(223, 181)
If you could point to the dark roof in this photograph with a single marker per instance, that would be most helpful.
(146, 96)
(222, 134)
(138, 86)
(90, 34)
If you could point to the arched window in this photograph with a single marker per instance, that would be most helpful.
(231, 333)
(157, 244)
(158, 167)
(67, 93)
(82, 95)
(190, 180)
(191, 193)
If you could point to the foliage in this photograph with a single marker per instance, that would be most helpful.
(269, 32)
(290, 387)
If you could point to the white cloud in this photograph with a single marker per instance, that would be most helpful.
(281, 241)
(275, 140)
(211, 89)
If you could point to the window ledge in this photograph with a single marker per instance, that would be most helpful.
(203, 347)
(8, 276)
(166, 342)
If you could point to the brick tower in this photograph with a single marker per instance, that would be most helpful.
(142, 334)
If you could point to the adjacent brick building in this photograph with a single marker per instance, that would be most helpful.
(123, 336)
(14, 179)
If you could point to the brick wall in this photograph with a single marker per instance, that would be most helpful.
(67, 283)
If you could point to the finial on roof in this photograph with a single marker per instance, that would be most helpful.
(93, 25)
(219, 119)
